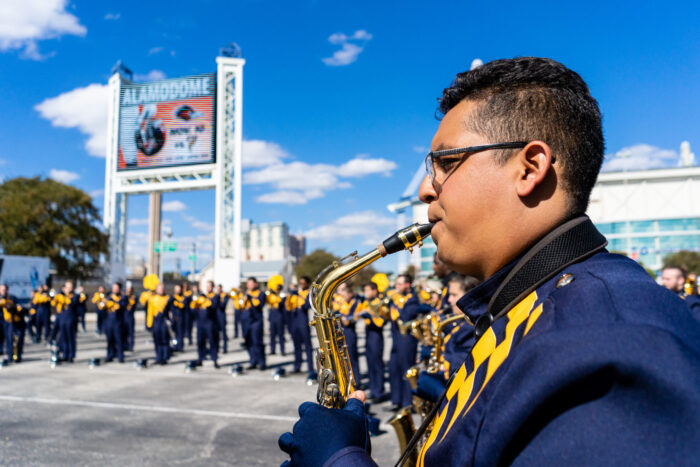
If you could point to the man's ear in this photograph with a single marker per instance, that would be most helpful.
(533, 162)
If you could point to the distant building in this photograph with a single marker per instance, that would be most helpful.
(645, 214)
(268, 249)
(135, 266)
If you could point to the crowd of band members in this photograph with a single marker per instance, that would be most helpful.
(172, 318)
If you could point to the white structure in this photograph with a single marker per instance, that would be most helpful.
(266, 250)
(648, 214)
(223, 176)
(645, 214)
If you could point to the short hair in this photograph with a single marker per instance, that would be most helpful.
(371, 285)
(407, 277)
(251, 278)
(466, 282)
(678, 268)
(306, 278)
(531, 98)
(116, 283)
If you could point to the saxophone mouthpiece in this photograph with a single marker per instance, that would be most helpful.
(405, 239)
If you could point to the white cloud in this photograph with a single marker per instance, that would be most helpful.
(640, 157)
(97, 193)
(63, 176)
(298, 182)
(349, 51)
(84, 109)
(476, 63)
(3, 162)
(173, 206)
(113, 16)
(153, 75)
(362, 166)
(289, 197)
(155, 50)
(373, 227)
(258, 153)
(24, 22)
(345, 56)
(197, 224)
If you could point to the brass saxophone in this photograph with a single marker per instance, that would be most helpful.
(335, 378)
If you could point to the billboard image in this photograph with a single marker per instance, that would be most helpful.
(167, 123)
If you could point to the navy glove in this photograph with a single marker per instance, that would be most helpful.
(321, 432)
(366, 315)
(430, 386)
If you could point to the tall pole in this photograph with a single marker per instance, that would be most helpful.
(154, 223)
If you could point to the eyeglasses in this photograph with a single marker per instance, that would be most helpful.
(440, 166)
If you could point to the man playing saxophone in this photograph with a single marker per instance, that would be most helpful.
(14, 323)
(579, 357)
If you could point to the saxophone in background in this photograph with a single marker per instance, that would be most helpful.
(335, 378)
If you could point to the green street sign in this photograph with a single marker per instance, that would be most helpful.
(160, 247)
(157, 246)
(170, 246)
(192, 257)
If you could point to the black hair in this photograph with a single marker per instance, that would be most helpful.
(251, 278)
(531, 98)
(407, 277)
(371, 285)
(117, 284)
(683, 272)
(306, 278)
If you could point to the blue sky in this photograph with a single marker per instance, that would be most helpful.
(339, 97)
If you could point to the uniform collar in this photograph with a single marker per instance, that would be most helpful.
(474, 303)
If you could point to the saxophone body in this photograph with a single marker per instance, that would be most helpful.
(335, 378)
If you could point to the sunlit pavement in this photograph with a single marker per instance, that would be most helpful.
(116, 414)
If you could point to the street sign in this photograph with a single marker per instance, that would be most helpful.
(159, 247)
(192, 257)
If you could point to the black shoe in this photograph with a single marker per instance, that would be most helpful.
(216, 365)
(121, 360)
(107, 360)
(392, 408)
(251, 367)
(263, 368)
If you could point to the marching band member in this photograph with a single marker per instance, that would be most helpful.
(277, 312)
(82, 308)
(206, 307)
(129, 319)
(157, 314)
(403, 308)
(98, 298)
(42, 303)
(115, 306)
(192, 317)
(299, 326)
(67, 304)
(674, 279)
(237, 310)
(252, 324)
(579, 358)
(370, 310)
(221, 315)
(348, 309)
(178, 310)
(14, 324)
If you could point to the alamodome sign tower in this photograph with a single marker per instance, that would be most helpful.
(176, 135)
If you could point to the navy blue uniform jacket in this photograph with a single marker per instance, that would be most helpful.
(602, 371)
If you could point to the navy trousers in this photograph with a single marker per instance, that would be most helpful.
(207, 332)
(67, 336)
(374, 353)
(114, 333)
(276, 330)
(100, 320)
(236, 322)
(179, 328)
(190, 319)
(252, 327)
(128, 330)
(43, 323)
(403, 357)
(351, 343)
(221, 317)
(161, 338)
(301, 337)
(11, 330)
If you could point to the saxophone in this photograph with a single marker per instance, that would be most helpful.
(335, 378)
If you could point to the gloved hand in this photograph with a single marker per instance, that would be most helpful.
(366, 315)
(321, 432)
(430, 386)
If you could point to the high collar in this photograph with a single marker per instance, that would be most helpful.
(474, 303)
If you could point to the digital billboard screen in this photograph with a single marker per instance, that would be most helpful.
(167, 123)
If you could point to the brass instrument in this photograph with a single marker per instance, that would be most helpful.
(335, 378)
(404, 427)
(436, 355)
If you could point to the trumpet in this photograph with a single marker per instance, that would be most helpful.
(335, 378)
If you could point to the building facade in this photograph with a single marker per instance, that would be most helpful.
(268, 249)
